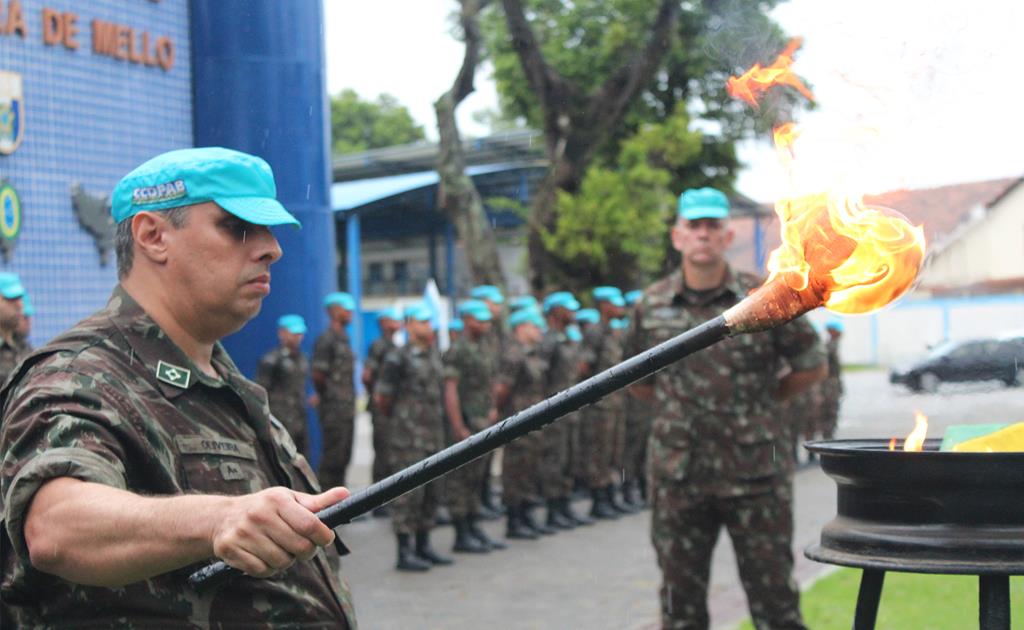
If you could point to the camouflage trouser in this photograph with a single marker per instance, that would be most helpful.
(413, 511)
(462, 487)
(337, 425)
(381, 439)
(555, 474)
(597, 443)
(684, 530)
(519, 469)
(832, 394)
(618, 435)
(638, 428)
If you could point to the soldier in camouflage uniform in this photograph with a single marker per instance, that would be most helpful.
(408, 392)
(283, 372)
(519, 383)
(333, 369)
(468, 382)
(11, 347)
(832, 387)
(495, 343)
(639, 414)
(717, 444)
(28, 310)
(390, 322)
(603, 424)
(165, 455)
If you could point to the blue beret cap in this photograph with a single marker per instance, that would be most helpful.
(487, 292)
(523, 301)
(293, 324)
(703, 203)
(240, 183)
(456, 325)
(572, 331)
(476, 309)
(560, 298)
(528, 315)
(606, 293)
(620, 323)
(588, 316)
(419, 312)
(27, 308)
(10, 286)
(835, 324)
(390, 312)
(632, 297)
(342, 299)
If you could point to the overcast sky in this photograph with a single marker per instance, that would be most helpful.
(911, 94)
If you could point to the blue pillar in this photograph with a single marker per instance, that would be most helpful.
(354, 265)
(258, 86)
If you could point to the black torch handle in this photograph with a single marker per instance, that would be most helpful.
(530, 419)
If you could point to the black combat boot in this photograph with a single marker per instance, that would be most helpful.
(534, 524)
(641, 485)
(565, 505)
(407, 558)
(426, 552)
(634, 495)
(465, 542)
(616, 503)
(490, 507)
(557, 518)
(478, 532)
(601, 508)
(517, 527)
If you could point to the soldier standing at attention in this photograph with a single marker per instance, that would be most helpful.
(390, 322)
(333, 368)
(832, 388)
(495, 343)
(28, 310)
(408, 392)
(717, 442)
(519, 383)
(639, 413)
(166, 455)
(468, 374)
(282, 372)
(11, 349)
(455, 328)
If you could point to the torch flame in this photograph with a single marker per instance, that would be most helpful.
(850, 256)
(754, 82)
(915, 441)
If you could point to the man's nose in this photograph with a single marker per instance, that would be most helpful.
(265, 245)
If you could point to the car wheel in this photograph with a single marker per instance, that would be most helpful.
(929, 382)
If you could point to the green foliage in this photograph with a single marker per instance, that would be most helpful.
(615, 226)
(936, 602)
(358, 125)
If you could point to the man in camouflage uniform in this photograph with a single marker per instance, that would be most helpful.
(717, 445)
(408, 392)
(390, 322)
(333, 368)
(28, 310)
(601, 434)
(467, 399)
(282, 372)
(832, 387)
(519, 383)
(494, 343)
(166, 455)
(11, 347)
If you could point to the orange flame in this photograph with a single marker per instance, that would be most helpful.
(856, 257)
(754, 82)
(914, 441)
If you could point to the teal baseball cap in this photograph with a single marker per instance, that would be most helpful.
(293, 324)
(573, 332)
(703, 203)
(240, 183)
(487, 292)
(27, 308)
(390, 313)
(342, 299)
(835, 324)
(476, 309)
(523, 301)
(606, 293)
(560, 298)
(419, 312)
(528, 315)
(588, 316)
(456, 325)
(632, 297)
(10, 286)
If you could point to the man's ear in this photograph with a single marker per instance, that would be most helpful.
(149, 231)
(730, 234)
(677, 236)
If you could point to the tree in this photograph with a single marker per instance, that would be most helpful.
(358, 125)
(457, 196)
(645, 57)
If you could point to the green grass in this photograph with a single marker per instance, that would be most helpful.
(909, 602)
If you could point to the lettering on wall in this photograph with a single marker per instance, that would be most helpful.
(62, 29)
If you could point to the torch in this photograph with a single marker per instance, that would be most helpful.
(839, 254)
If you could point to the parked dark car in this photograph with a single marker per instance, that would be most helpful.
(977, 360)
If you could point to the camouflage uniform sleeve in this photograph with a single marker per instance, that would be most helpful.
(636, 340)
(373, 356)
(454, 362)
(390, 374)
(60, 424)
(265, 373)
(322, 354)
(508, 368)
(591, 346)
(800, 345)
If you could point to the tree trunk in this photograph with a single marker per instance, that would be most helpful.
(457, 195)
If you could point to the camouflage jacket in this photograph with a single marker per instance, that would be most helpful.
(375, 355)
(495, 343)
(332, 355)
(602, 348)
(835, 368)
(412, 377)
(562, 358)
(467, 362)
(10, 354)
(283, 372)
(717, 424)
(524, 371)
(115, 401)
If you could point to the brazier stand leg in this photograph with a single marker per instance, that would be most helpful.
(867, 599)
(994, 602)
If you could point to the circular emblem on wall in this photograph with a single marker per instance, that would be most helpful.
(12, 112)
(10, 219)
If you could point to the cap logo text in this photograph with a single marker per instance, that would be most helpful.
(159, 193)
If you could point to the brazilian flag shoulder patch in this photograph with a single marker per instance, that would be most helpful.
(173, 374)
